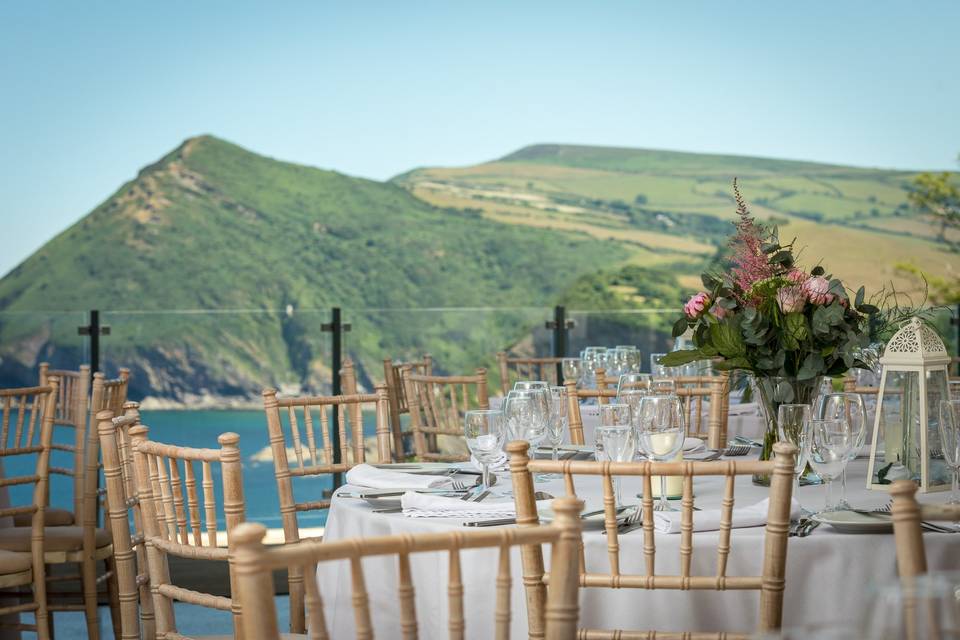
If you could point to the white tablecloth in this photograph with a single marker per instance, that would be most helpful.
(828, 574)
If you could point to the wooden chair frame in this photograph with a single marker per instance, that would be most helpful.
(770, 584)
(397, 396)
(73, 405)
(437, 404)
(319, 458)
(123, 505)
(907, 516)
(544, 368)
(556, 619)
(172, 527)
(36, 440)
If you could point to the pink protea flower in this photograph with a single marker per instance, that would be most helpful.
(817, 289)
(697, 305)
(796, 276)
(791, 299)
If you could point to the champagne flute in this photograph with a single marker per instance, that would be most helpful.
(830, 445)
(950, 442)
(485, 431)
(662, 429)
(793, 423)
(850, 408)
(633, 397)
(557, 427)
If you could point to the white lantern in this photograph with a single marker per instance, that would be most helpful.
(906, 436)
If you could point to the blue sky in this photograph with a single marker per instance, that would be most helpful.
(93, 91)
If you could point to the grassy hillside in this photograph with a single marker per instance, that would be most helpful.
(214, 227)
(667, 207)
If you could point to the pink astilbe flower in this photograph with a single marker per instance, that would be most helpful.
(750, 263)
(791, 299)
(697, 305)
(817, 289)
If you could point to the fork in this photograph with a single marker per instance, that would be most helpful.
(737, 450)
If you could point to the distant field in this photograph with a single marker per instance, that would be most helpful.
(659, 206)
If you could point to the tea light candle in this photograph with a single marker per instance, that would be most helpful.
(665, 442)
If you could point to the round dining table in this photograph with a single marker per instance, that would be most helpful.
(830, 576)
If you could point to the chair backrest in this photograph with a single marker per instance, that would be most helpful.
(26, 429)
(123, 507)
(111, 395)
(73, 404)
(850, 386)
(556, 615)
(574, 417)
(710, 424)
(397, 396)
(437, 405)
(319, 457)
(165, 475)
(516, 368)
(907, 516)
(770, 583)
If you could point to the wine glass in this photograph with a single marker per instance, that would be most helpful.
(572, 370)
(950, 442)
(663, 386)
(616, 444)
(830, 445)
(539, 387)
(632, 357)
(633, 397)
(793, 423)
(527, 416)
(557, 427)
(657, 369)
(485, 430)
(850, 408)
(633, 381)
(661, 430)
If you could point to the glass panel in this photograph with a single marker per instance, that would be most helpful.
(29, 338)
(647, 329)
(939, 473)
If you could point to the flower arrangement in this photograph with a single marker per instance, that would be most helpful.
(767, 316)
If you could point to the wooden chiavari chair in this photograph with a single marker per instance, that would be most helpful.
(517, 368)
(73, 405)
(314, 456)
(397, 396)
(165, 474)
(907, 516)
(123, 507)
(83, 545)
(770, 584)
(555, 615)
(27, 417)
(437, 405)
(710, 425)
(850, 386)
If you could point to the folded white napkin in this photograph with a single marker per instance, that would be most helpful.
(502, 463)
(754, 515)
(365, 475)
(418, 505)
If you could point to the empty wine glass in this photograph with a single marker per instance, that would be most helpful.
(632, 355)
(572, 370)
(633, 381)
(657, 369)
(557, 427)
(663, 386)
(633, 397)
(525, 416)
(850, 408)
(793, 423)
(950, 442)
(616, 444)
(661, 429)
(485, 431)
(830, 445)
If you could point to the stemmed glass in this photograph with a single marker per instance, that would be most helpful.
(950, 442)
(663, 386)
(657, 369)
(793, 423)
(633, 397)
(485, 431)
(632, 356)
(572, 370)
(527, 415)
(830, 445)
(661, 429)
(850, 408)
(557, 427)
(633, 381)
(614, 438)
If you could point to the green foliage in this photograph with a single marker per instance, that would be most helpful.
(937, 195)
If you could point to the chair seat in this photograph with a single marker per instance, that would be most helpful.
(54, 538)
(51, 518)
(11, 562)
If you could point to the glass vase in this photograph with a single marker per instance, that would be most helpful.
(771, 392)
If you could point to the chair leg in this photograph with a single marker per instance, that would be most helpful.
(88, 571)
(113, 593)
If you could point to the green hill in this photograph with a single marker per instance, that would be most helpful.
(668, 207)
(212, 226)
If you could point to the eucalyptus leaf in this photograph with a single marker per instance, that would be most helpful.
(681, 357)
